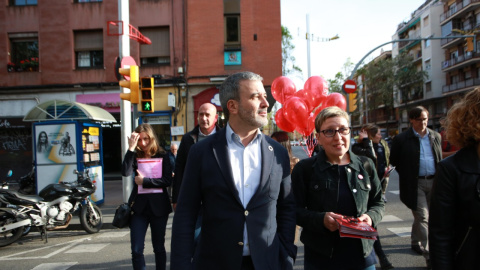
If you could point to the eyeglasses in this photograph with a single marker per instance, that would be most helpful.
(332, 132)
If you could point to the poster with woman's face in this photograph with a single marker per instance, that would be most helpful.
(55, 144)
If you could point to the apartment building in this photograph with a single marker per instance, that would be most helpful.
(428, 56)
(65, 50)
(461, 68)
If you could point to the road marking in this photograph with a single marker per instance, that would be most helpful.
(396, 192)
(84, 248)
(69, 244)
(391, 218)
(401, 231)
(55, 266)
(113, 234)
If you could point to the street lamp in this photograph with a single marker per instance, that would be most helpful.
(307, 36)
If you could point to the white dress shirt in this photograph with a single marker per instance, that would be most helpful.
(246, 164)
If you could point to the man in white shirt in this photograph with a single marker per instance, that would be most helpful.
(240, 178)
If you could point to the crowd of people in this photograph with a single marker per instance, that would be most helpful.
(240, 196)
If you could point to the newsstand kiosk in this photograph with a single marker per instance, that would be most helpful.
(68, 137)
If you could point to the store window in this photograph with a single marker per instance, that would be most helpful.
(158, 53)
(23, 52)
(89, 49)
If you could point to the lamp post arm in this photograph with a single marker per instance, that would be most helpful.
(408, 39)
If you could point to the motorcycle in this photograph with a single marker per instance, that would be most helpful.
(26, 186)
(51, 210)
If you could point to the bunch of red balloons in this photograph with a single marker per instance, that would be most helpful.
(301, 107)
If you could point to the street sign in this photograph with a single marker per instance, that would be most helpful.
(126, 62)
(350, 86)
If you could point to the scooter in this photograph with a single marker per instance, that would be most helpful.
(52, 209)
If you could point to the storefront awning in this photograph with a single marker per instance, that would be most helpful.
(65, 110)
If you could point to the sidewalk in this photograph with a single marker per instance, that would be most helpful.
(113, 198)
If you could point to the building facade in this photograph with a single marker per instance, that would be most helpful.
(67, 50)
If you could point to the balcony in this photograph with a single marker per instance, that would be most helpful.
(460, 9)
(461, 85)
(411, 43)
(460, 61)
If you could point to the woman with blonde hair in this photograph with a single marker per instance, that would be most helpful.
(148, 208)
(330, 185)
(454, 222)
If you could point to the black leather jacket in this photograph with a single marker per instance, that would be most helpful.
(454, 224)
(315, 185)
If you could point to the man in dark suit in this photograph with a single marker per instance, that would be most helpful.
(240, 178)
(415, 153)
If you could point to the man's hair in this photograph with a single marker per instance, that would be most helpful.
(416, 112)
(462, 124)
(231, 86)
(329, 112)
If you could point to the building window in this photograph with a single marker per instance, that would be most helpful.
(428, 86)
(231, 9)
(468, 75)
(158, 53)
(232, 29)
(426, 21)
(89, 49)
(428, 65)
(23, 2)
(23, 52)
(427, 43)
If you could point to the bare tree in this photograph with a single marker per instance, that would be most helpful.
(288, 60)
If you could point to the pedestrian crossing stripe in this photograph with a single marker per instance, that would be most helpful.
(56, 266)
(396, 192)
(114, 234)
(390, 218)
(401, 231)
(87, 248)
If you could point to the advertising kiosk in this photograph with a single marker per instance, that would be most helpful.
(67, 136)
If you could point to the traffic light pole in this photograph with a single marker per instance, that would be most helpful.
(125, 112)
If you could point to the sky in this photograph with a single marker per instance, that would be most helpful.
(361, 25)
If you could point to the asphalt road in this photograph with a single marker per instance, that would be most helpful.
(110, 248)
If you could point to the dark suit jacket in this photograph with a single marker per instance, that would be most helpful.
(270, 215)
(159, 203)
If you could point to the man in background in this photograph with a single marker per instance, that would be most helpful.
(415, 153)
(207, 119)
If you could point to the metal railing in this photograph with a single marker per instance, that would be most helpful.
(460, 85)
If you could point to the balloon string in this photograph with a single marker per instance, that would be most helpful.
(310, 143)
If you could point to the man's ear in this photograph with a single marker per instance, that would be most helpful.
(232, 107)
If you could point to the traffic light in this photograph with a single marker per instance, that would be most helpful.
(146, 95)
(469, 44)
(132, 84)
(352, 102)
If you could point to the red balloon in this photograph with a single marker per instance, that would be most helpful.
(282, 89)
(336, 99)
(305, 96)
(296, 111)
(283, 123)
(309, 127)
(318, 89)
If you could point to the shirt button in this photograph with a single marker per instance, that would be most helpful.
(240, 243)
(246, 213)
(349, 170)
(246, 185)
